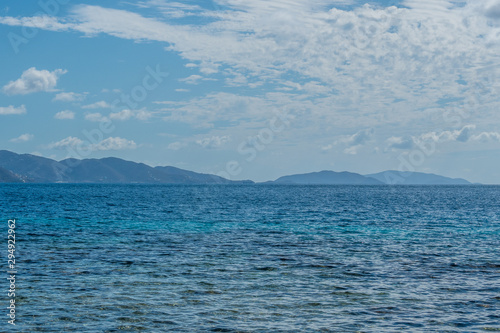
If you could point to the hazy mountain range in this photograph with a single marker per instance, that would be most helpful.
(34, 169)
(26, 168)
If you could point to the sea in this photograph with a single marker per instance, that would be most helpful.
(252, 258)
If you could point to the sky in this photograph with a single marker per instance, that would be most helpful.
(256, 89)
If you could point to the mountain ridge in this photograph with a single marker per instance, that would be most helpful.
(393, 177)
(27, 168)
(35, 169)
(327, 177)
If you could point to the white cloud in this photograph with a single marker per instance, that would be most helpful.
(348, 51)
(351, 143)
(213, 142)
(461, 135)
(112, 143)
(351, 52)
(193, 79)
(203, 111)
(176, 145)
(69, 97)
(95, 117)
(8, 110)
(126, 114)
(33, 80)
(122, 115)
(358, 138)
(98, 105)
(487, 136)
(143, 114)
(23, 138)
(40, 22)
(172, 9)
(400, 142)
(69, 142)
(65, 114)
(361, 59)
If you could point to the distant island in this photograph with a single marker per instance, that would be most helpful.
(383, 178)
(27, 168)
(327, 178)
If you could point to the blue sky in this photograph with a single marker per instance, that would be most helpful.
(256, 89)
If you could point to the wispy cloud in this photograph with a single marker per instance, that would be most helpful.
(193, 79)
(98, 105)
(23, 138)
(69, 97)
(316, 41)
(9, 110)
(112, 143)
(214, 141)
(176, 145)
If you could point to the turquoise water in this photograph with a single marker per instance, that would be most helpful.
(111, 258)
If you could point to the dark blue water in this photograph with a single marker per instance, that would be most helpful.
(112, 258)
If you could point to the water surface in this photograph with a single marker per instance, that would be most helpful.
(111, 258)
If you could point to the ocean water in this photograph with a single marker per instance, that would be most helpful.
(113, 258)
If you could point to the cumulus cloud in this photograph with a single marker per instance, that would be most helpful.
(8, 110)
(66, 114)
(111, 143)
(487, 136)
(95, 117)
(143, 114)
(23, 138)
(126, 114)
(463, 135)
(400, 142)
(69, 97)
(213, 142)
(122, 115)
(351, 143)
(69, 142)
(359, 138)
(114, 144)
(33, 80)
(98, 105)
